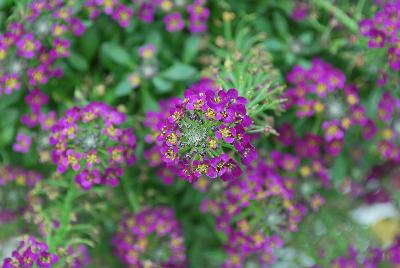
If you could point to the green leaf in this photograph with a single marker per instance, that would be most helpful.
(281, 24)
(180, 72)
(123, 88)
(273, 44)
(162, 85)
(89, 43)
(191, 49)
(339, 169)
(148, 101)
(10, 119)
(7, 100)
(6, 136)
(117, 54)
(78, 62)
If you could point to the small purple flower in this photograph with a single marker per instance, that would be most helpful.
(122, 14)
(332, 130)
(146, 12)
(23, 143)
(28, 46)
(10, 83)
(38, 75)
(87, 178)
(147, 51)
(174, 22)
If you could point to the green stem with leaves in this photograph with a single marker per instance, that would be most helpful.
(65, 218)
(340, 15)
(132, 198)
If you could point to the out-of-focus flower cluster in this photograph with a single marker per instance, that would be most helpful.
(320, 92)
(90, 141)
(150, 238)
(37, 117)
(375, 257)
(205, 132)
(389, 131)
(29, 48)
(19, 177)
(252, 236)
(383, 31)
(146, 11)
(31, 253)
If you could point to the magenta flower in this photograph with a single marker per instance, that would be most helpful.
(38, 75)
(174, 22)
(146, 12)
(87, 178)
(123, 15)
(23, 143)
(28, 46)
(10, 83)
(332, 130)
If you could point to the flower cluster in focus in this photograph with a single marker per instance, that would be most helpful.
(205, 132)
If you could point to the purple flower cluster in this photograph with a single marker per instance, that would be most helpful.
(20, 176)
(90, 141)
(389, 133)
(150, 238)
(237, 210)
(154, 121)
(320, 92)
(15, 176)
(31, 253)
(374, 258)
(205, 132)
(36, 117)
(30, 48)
(383, 31)
(146, 12)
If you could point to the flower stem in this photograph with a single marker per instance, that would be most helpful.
(61, 232)
(350, 23)
(132, 198)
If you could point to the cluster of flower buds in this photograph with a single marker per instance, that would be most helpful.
(389, 117)
(146, 11)
(320, 91)
(150, 238)
(30, 48)
(205, 132)
(31, 253)
(383, 31)
(39, 118)
(90, 141)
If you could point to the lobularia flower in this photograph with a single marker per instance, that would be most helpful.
(389, 132)
(205, 134)
(30, 48)
(31, 253)
(383, 31)
(320, 92)
(150, 238)
(90, 141)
